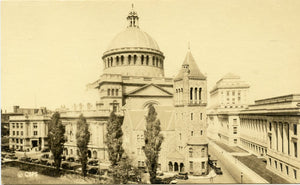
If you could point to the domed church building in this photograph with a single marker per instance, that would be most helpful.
(132, 79)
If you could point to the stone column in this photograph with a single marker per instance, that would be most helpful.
(285, 139)
(273, 136)
(279, 141)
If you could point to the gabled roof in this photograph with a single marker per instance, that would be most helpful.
(194, 71)
(150, 90)
(136, 120)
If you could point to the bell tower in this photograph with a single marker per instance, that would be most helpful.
(190, 101)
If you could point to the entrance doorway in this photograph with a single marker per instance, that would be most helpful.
(34, 143)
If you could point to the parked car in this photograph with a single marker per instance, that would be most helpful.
(93, 170)
(93, 162)
(66, 165)
(12, 156)
(36, 161)
(182, 175)
(218, 171)
(71, 159)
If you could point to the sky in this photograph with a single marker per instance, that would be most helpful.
(50, 50)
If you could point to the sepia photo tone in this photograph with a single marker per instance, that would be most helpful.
(150, 92)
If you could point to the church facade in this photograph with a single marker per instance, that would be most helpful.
(133, 78)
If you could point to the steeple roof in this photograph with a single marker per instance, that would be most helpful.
(190, 64)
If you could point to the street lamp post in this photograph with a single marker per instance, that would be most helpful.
(241, 177)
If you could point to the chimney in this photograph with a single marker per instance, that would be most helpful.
(16, 108)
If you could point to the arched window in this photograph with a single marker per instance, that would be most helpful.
(129, 59)
(111, 61)
(117, 59)
(195, 94)
(108, 62)
(134, 59)
(203, 152)
(153, 61)
(200, 93)
(190, 152)
(112, 92)
(95, 154)
(156, 62)
(191, 94)
(142, 59)
(108, 92)
(122, 60)
(147, 60)
(117, 92)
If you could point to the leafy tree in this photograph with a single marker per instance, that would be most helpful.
(114, 139)
(83, 138)
(153, 141)
(56, 138)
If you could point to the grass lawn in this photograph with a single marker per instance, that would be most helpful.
(259, 167)
(13, 175)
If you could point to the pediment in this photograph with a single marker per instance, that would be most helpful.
(150, 90)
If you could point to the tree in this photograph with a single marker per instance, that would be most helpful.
(153, 141)
(83, 139)
(114, 139)
(115, 149)
(56, 138)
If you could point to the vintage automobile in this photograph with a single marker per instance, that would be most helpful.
(93, 162)
(93, 170)
(182, 175)
(70, 159)
(218, 171)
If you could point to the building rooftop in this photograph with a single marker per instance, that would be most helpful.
(197, 141)
(194, 71)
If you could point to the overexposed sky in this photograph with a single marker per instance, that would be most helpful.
(50, 50)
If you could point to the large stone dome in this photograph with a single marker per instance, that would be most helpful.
(133, 37)
(133, 52)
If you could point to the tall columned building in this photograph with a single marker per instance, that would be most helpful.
(270, 128)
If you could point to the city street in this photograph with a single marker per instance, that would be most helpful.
(225, 178)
